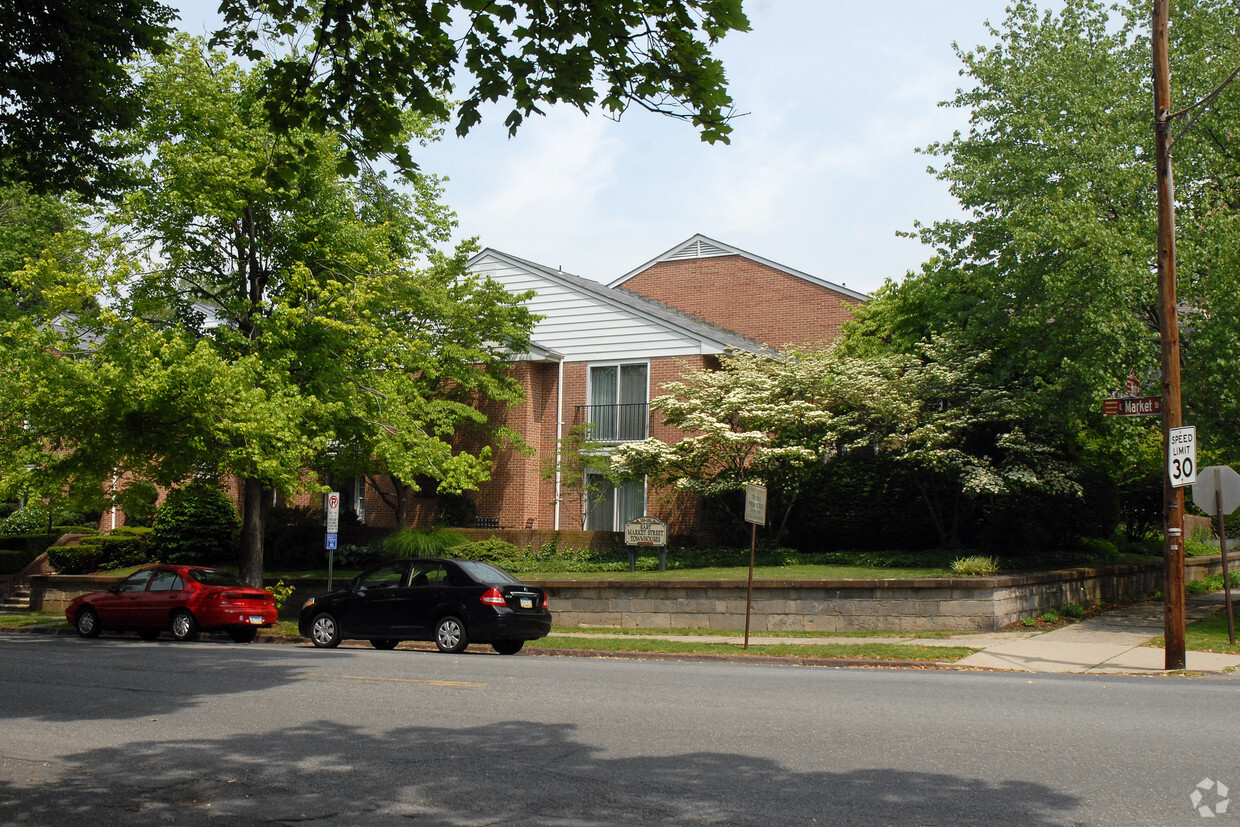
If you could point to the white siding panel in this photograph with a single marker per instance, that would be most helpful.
(583, 326)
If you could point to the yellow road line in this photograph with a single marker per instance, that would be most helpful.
(400, 680)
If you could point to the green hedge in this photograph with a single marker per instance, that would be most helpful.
(17, 551)
(128, 546)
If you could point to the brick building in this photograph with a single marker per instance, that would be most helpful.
(602, 352)
(599, 354)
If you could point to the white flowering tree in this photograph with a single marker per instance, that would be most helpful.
(775, 420)
(939, 413)
(759, 418)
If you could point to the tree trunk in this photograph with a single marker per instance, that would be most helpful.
(253, 526)
(936, 515)
(402, 505)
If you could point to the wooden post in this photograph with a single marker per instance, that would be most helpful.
(1169, 335)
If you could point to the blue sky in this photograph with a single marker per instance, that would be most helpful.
(821, 173)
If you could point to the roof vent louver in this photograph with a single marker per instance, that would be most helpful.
(697, 248)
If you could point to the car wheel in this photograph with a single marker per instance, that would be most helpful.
(148, 634)
(184, 627)
(243, 635)
(324, 631)
(507, 647)
(87, 622)
(384, 643)
(450, 635)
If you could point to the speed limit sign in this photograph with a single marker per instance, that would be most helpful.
(1182, 456)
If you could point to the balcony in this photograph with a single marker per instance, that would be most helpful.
(614, 423)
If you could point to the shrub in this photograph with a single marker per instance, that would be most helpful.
(197, 523)
(1073, 610)
(493, 550)
(1050, 616)
(75, 559)
(1098, 550)
(353, 556)
(294, 537)
(976, 566)
(138, 499)
(28, 520)
(128, 546)
(423, 542)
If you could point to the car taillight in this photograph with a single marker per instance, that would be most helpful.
(493, 597)
(544, 600)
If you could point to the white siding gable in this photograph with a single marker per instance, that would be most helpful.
(591, 325)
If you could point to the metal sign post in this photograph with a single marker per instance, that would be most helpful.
(755, 514)
(333, 530)
(1217, 491)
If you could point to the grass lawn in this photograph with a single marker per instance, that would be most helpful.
(1208, 635)
(31, 619)
(742, 573)
(708, 633)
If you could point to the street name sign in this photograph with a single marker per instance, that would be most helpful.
(1132, 406)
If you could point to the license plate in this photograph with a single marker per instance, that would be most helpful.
(527, 603)
(256, 619)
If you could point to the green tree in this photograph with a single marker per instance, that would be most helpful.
(1051, 271)
(365, 66)
(244, 328)
(760, 418)
(64, 80)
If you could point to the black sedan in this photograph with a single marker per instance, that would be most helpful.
(452, 602)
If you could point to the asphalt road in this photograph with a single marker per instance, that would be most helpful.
(116, 730)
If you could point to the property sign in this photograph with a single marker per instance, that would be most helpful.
(645, 531)
(755, 504)
(333, 512)
(1182, 456)
(1132, 406)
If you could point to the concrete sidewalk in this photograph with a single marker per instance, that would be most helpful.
(1108, 643)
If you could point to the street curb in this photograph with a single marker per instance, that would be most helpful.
(600, 654)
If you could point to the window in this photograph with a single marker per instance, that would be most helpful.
(429, 574)
(136, 582)
(391, 576)
(608, 508)
(166, 580)
(618, 409)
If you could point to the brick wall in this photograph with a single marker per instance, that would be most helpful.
(748, 298)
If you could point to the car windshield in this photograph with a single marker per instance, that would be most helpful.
(214, 577)
(486, 573)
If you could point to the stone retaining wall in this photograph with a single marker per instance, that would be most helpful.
(930, 604)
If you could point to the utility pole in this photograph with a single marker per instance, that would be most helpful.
(1169, 335)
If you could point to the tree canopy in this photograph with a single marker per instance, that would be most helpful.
(224, 324)
(356, 69)
(65, 81)
(1052, 268)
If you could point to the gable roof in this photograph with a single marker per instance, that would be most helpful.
(583, 319)
(699, 246)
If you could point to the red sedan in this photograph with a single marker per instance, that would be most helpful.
(183, 600)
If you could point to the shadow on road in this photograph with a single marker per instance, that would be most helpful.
(515, 772)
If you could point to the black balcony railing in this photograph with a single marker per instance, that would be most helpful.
(615, 423)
